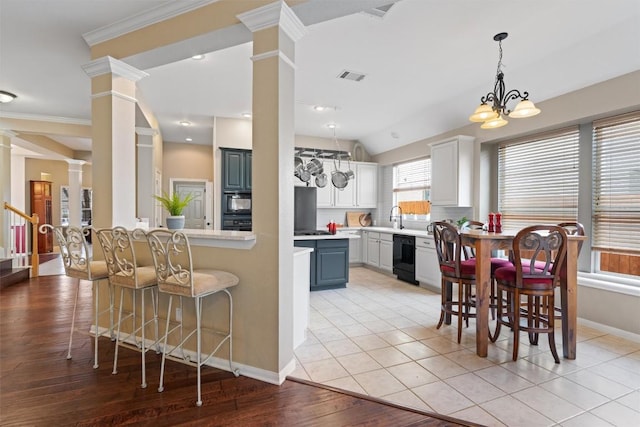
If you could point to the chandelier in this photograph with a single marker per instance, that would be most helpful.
(493, 106)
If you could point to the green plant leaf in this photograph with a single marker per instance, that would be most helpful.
(174, 204)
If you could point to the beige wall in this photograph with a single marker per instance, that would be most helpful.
(607, 98)
(188, 161)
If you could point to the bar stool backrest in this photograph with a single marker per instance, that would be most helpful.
(119, 253)
(75, 251)
(172, 259)
(539, 253)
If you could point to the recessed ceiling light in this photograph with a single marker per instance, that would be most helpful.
(197, 57)
(319, 107)
(6, 97)
(331, 125)
(246, 115)
(185, 123)
(188, 139)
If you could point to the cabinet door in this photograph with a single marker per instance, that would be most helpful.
(333, 266)
(233, 170)
(444, 174)
(312, 258)
(248, 156)
(354, 248)
(367, 185)
(386, 255)
(373, 249)
(427, 267)
(345, 197)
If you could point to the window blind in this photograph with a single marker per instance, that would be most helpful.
(616, 188)
(538, 179)
(414, 175)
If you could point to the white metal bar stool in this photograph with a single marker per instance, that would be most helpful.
(124, 272)
(78, 263)
(176, 277)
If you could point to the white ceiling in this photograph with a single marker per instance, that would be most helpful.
(427, 63)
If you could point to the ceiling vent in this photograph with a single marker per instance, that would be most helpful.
(380, 11)
(351, 75)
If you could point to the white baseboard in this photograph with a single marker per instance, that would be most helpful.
(270, 377)
(610, 330)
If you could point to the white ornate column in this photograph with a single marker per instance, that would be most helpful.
(75, 192)
(5, 182)
(146, 203)
(113, 88)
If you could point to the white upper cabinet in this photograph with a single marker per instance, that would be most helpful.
(360, 192)
(452, 165)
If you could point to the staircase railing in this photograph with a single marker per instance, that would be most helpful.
(18, 234)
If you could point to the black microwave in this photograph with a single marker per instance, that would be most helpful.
(236, 203)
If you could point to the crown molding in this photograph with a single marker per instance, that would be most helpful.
(108, 64)
(144, 19)
(76, 162)
(39, 118)
(273, 14)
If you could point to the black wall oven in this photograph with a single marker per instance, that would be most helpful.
(236, 211)
(404, 258)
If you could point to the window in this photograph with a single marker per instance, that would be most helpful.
(538, 179)
(616, 193)
(411, 185)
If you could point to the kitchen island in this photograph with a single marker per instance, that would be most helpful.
(329, 264)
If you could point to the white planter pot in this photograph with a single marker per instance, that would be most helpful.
(175, 222)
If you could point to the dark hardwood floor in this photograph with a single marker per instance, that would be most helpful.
(39, 387)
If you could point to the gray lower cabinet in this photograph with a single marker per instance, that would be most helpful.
(329, 263)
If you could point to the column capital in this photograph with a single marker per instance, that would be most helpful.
(7, 133)
(147, 131)
(273, 14)
(75, 162)
(107, 64)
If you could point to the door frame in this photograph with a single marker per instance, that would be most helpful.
(208, 198)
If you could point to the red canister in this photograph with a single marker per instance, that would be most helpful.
(491, 222)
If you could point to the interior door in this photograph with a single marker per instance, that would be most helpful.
(194, 213)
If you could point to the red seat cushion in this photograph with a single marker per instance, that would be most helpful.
(497, 263)
(507, 275)
(467, 268)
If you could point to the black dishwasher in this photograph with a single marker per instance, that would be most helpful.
(404, 258)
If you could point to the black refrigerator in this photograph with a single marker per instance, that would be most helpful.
(305, 209)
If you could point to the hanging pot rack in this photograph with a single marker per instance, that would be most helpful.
(322, 153)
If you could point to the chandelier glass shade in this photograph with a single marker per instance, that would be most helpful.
(493, 106)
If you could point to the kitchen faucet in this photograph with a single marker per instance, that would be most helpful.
(392, 217)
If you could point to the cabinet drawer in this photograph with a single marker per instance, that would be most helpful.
(385, 237)
(332, 243)
(425, 242)
(373, 235)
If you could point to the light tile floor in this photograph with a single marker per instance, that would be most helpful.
(378, 337)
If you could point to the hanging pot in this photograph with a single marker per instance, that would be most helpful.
(298, 166)
(314, 166)
(349, 173)
(321, 180)
(338, 178)
(304, 175)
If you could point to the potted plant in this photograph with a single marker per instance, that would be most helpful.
(174, 204)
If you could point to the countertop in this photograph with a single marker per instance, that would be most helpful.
(390, 230)
(338, 235)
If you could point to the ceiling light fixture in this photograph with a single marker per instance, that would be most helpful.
(185, 123)
(246, 115)
(319, 108)
(331, 125)
(188, 139)
(494, 105)
(197, 57)
(6, 97)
